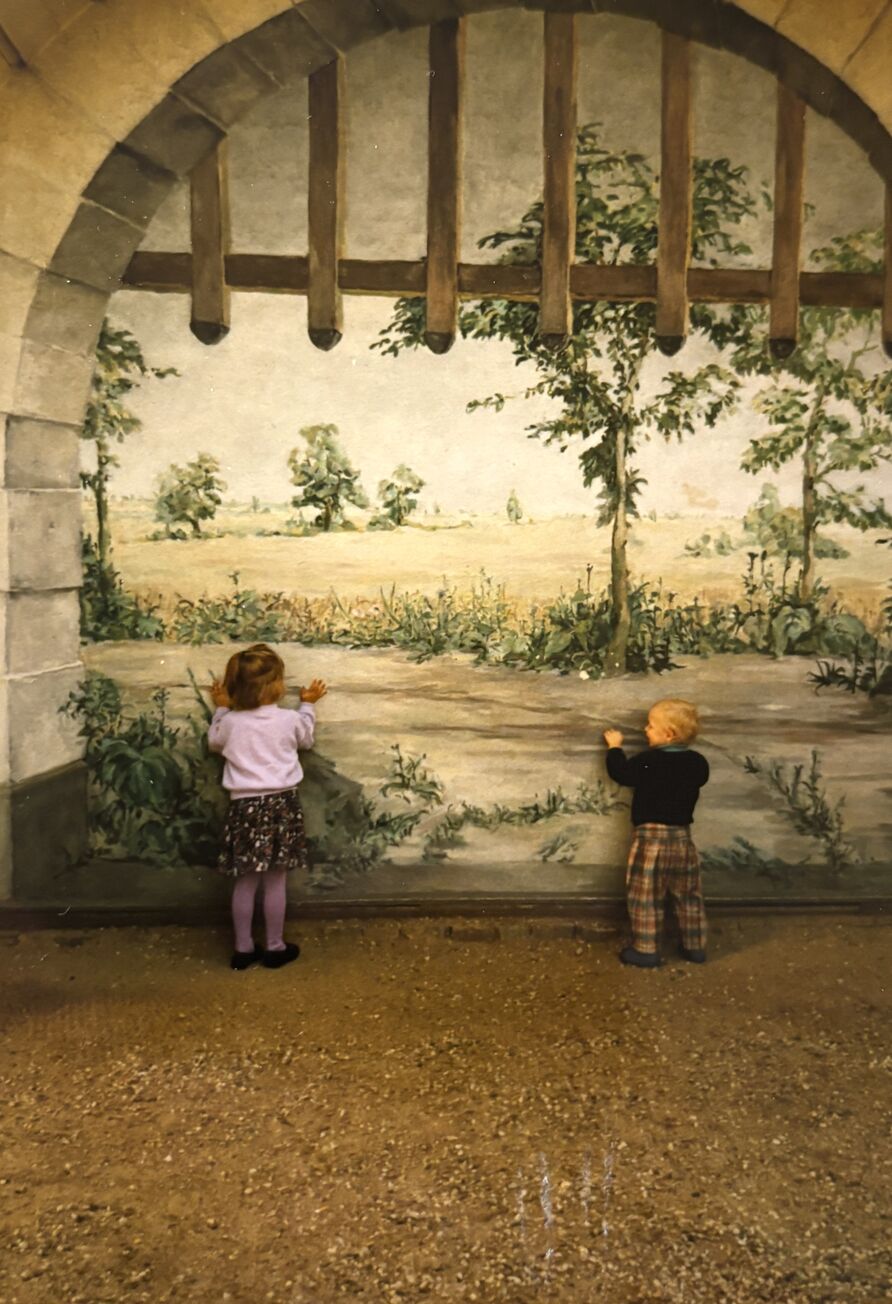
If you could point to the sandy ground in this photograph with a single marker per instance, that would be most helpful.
(404, 1116)
(535, 560)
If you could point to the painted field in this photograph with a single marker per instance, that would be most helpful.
(517, 799)
(534, 559)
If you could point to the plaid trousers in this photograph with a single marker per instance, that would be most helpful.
(663, 860)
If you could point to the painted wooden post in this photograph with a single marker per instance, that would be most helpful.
(887, 275)
(789, 174)
(326, 203)
(444, 183)
(674, 247)
(209, 183)
(559, 148)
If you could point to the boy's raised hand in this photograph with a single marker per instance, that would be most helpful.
(219, 695)
(613, 738)
(316, 690)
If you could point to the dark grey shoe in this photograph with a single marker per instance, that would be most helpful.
(275, 959)
(641, 959)
(694, 957)
(244, 959)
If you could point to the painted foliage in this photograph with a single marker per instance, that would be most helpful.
(494, 555)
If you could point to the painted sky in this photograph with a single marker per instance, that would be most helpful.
(245, 399)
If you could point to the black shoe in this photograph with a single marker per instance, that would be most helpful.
(695, 957)
(642, 959)
(244, 959)
(275, 959)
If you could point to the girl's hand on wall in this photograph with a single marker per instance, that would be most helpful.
(613, 738)
(316, 690)
(219, 695)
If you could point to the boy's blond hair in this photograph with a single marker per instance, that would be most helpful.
(680, 716)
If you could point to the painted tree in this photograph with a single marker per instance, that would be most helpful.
(596, 381)
(120, 369)
(826, 408)
(324, 476)
(397, 495)
(513, 508)
(188, 495)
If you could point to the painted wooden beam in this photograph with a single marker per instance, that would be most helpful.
(789, 176)
(674, 247)
(209, 186)
(559, 150)
(326, 203)
(446, 45)
(171, 273)
(887, 275)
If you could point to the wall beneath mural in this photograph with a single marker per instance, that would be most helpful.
(435, 536)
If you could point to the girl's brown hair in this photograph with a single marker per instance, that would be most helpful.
(254, 677)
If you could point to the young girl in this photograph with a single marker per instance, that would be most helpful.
(263, 836)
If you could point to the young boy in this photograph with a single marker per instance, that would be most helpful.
(663, 859)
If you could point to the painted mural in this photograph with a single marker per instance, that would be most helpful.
(492, 556)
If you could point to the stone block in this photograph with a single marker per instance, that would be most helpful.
(40, 737)
(344, 23)
(174, 136)
(130, 185)
(10, 355)
(48, 831)
(132, 52)
(41, 454)
(419, 13)
(52, 384)
(6, 855)
(171, 36)
(42, 630)
(225, 85)
(286, 48)
(49, 136)
(17, 282)
(475, 6)
(96, 248)
(766, 11)
(559, 6)
(869, 70)
(237, 18)
(66, 314)
(44, 539)
(33, 214)
(834, 42)
(34, 25)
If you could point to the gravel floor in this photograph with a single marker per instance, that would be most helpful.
(503, 1114)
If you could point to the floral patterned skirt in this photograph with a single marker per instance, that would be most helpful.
(263, 833)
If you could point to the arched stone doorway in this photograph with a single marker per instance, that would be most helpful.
(62, 306)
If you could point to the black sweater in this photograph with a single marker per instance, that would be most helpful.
(667, 782)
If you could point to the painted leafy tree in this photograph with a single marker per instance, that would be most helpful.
(188, 495)
(826, 408)
(120, 369)
(398, 498)
(324, 476)
(596, 381)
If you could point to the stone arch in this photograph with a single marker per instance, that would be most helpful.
(56, 304)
